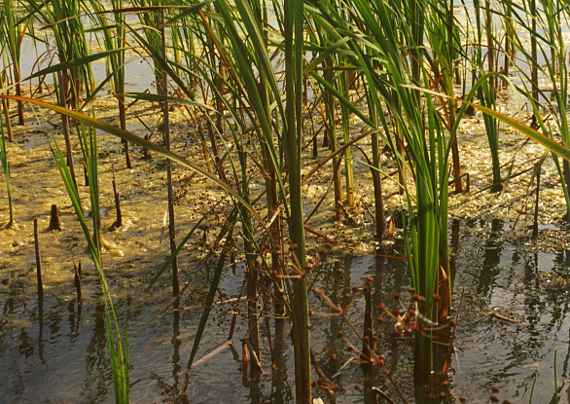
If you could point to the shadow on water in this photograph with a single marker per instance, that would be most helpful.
(512, 339)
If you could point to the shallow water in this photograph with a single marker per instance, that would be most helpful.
(36, 56)
(57, 355)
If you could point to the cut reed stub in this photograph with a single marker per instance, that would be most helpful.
(54, 220)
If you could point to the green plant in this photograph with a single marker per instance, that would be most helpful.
(12, 30)
(547, 38)
(294, 50)
(115, 42)
(116, 341)
(487, 92)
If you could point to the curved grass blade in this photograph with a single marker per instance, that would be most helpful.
(73, 63)
(116, 342)
(536, 136)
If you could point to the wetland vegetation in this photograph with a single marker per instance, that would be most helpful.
(275, 201)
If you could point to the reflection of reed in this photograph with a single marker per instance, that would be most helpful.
(79, 300)
(280, 391)
(340, 297)
(431, 367)
(368, 350)
(491, 260)
(176, 367)
(95, 387)
(41, 329)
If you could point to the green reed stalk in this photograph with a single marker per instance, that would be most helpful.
(443, 37)
(487, 92)
(240, 59)
(557, 72)
(184, 47)
(489, 97)
(217, 76)
(294, 48)
(74, 70)
(162, 89)
(228, 56)
(547, 38)
(330, 121)
(533, 49)
(276, 247)
(343, 85)
(12, 31)
(154, 28)
(116, 343)
(114, 41)
(242, 67)
(6, 108)
(373, 111)
(6, 173)
(391, 30)
(252, 267)
(510, 33)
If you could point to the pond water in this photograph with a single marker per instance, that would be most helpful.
(512, 340)
(139, 73)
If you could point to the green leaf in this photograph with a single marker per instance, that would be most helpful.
(74, 63)
(536, 136)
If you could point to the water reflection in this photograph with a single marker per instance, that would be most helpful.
(95, 387)
(491, 259)
(41, 329)
(513, 319)
(280, 390)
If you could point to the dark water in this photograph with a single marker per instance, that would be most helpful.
(57, 354)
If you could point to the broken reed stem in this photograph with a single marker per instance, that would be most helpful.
(38, 261)
(54, 221)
